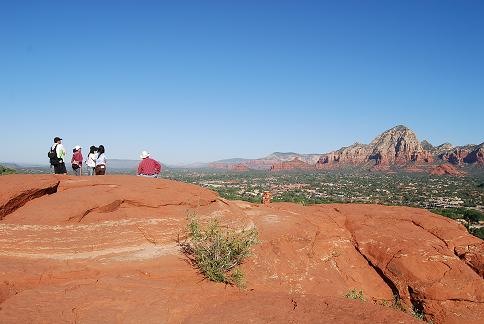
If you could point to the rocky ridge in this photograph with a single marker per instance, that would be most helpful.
(103, 249)
(396, 147)
(295, 164)
(446, 169)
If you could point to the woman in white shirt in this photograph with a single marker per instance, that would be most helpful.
(101, 161)
(91, 160)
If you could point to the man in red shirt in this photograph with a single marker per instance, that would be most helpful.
(148, 167)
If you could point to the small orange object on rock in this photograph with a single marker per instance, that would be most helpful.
(266, 197)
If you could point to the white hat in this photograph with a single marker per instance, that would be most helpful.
(144, 155)
(77, 147)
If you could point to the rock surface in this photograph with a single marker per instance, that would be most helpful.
(396, 146)
(295, 164)
(17, 191)
(446, 169)
(103, 249)
(239, 167)
(476, 155)
(354, 154)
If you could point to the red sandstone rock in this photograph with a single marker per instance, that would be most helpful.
(102, 249)
(17, 190)
(476, 155)
(266, 197)
(239, 167)
(446, 169)
(457, 156)
(354, 154)
(396, 146)
(295, 164)
(422, 156)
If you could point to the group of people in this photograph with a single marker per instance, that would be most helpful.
(96, 161)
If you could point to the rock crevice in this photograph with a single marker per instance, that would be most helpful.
(24, 197)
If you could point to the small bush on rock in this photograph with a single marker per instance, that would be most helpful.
(355, 294)
(217, 251)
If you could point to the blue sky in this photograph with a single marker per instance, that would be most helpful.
(206, 80)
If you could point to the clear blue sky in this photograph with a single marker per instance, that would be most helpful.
(206, 80)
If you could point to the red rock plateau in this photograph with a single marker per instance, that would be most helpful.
(446, 169)
(295, 164)
(239, 167)
(258, 164)
(103, 250)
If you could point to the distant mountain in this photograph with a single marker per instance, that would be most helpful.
(427, 146)
(397, 147)
(265, 163)
(468, 154)
(294, 164)
(233, 161)
(23, 165)
(118, 164)
(282, 157)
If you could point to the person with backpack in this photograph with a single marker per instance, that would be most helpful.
(101, 161)
(56, 155)
(76, 161)
(91, 160)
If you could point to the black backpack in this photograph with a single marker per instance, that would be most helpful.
(52, 155)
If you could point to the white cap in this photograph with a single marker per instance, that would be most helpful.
(144, 155)
(77, 147)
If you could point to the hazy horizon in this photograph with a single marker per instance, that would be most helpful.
(199, 82)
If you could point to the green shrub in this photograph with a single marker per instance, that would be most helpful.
(478, 232)
(4, 170)
(418, 315)
(217, 251)
(355, 294)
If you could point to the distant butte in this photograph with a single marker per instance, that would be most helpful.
(295, 164)
(446, 169)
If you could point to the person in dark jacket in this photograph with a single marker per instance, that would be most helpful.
(59, 154)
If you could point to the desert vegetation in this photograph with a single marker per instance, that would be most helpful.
(4, 170)
(217, 251)
(356, 295)
(395, 304)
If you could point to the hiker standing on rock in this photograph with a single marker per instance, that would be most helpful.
(76, 161)
(101, 161)
(91, 160)
(56, 155)
(148, 167)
